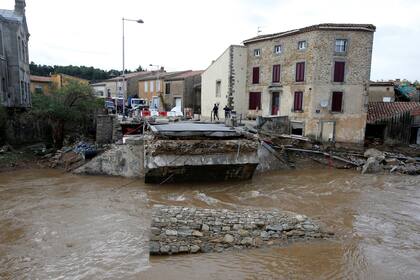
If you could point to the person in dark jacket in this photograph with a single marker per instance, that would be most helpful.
(215, 112)
(227, 112)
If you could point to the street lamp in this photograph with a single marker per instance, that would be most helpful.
(123, 58)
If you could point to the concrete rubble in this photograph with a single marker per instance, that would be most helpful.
(183, 230)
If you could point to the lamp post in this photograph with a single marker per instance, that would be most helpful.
(157, 78)
(123, 58)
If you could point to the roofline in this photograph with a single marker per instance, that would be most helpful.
(227, 49)
(323, 26)
(177, 78)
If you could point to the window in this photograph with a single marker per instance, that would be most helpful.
(339, 69)
(298, 102)
(18, 43)
(296, 128)
(340, 45)
(276, 73)
(39, 90)
(167, 88)
(256, 75)
(300, 72)
(23, 51)
(337, 102)
(254, 100)
(218, 88)
(257, 52)
(157, 85)
(277, 49)
(302, 45)
(152, 85)
(146, 87)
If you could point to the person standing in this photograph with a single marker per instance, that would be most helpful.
(227, 112)
(215, 112)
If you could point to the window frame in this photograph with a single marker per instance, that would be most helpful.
(276, 74)
(332, 109)
(255, 79)
(299, 79)
(167, 88)
(345, 45)
(218, 88)
(250, 101)
(298, 109)
(336, 77)
(257, 52)
(304, 43)
(278, 49)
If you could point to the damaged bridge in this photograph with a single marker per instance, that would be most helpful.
(198, 152)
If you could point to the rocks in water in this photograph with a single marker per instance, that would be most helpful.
(371, 166)
(213, 230)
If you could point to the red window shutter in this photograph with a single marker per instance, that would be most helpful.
(300, 72)
(339, 67)
(254, 100)
(276, 73)
(337, 101)
(256, 75)
(298, 102)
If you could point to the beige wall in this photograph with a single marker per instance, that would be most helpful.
(221, 70)
(319, 60)
(152, 91)
(377, 93)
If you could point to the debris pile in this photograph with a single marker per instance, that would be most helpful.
(379, 162)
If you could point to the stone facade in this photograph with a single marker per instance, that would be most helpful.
(14, 58)
(186, 89)
(183, 230)
(316, 118)
(229, 70)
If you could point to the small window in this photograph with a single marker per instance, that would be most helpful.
(152, 83)
(298, 101)
(254, 100)
(340, 45)
(157, 85)
(276, 73)
(302, 45)
(39, 90)
(218, 88)
(277, 49)
(300, 72)
(339, 71)
(257, 52)
(256, 75)
(146, 87)
(337, 102)
(167, 88)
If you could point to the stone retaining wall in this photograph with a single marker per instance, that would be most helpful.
(190, 230)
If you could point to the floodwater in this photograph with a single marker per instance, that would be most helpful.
(61, 226)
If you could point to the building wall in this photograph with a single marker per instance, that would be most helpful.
(177, 90)
(217, 71)
(44, 86)
(238, 79)
(377, 93)
(15, 64)
(62, 80)
(149, 93)
(318, 86)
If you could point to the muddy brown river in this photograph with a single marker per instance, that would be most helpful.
(55, 225)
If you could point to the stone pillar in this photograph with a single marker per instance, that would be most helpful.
(105, 126)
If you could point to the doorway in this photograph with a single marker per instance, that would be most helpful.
(275, 103)
(328, 131)
(178, 102)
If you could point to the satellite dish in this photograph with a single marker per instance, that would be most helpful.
(324, 103)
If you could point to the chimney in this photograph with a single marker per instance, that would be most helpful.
(20, 7)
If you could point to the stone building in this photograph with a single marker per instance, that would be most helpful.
(224, 82)
(381, 92)
(318, 76)
(152, 88)
(14, 58)
(184, 91)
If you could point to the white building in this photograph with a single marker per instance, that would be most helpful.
(224, 83)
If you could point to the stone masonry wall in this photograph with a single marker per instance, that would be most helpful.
(191, 230)
(106, 129)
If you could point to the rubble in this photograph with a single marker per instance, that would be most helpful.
(183, 230)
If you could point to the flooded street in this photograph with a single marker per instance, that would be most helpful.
(61, 226)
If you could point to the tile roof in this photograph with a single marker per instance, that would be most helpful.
(186, 75)
(379, 111)
(323, 26)
(41, 79)
(132, 75)
(162, 75)
(10, 15)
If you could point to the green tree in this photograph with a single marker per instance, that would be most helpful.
(72, 104)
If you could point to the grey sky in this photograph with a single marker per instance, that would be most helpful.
(189, 34)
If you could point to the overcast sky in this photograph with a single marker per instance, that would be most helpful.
(189, 34)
